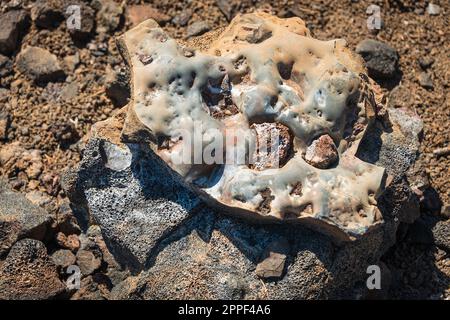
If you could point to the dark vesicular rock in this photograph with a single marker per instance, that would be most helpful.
(39, 65)
(28, 273)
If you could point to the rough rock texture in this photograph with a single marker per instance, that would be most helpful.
(13, 25)
(197, 28)
(27, 273)
(87, 262)
(47, 14)
(63, 258)
(279, 152)
(117, 87)
(138, 13)
(440, 234)
(254, 74)
(19, 219)
(153, 219)
(381, 59)
(5, 120)
(70, 242)
(15, 158)
(322, 153)
(6, 66)
(109, 16)
(425, 80)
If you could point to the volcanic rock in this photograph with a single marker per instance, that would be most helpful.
(381, 59)
(6, 66)
(19, 219)
(322, 152)
(188, 229)
(47, 14)
(63, 258)
(27, 273)
(109, 16)
(87, 262)
(13, 26)
(197, 28)
(39, 65)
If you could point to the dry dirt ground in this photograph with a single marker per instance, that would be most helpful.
(55, 117)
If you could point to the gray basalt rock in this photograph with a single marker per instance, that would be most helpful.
(6, 66)
(180, 244)
(381, 59)
(143, 207)
(179, 248)
(47, 14)
(197, 28)
(19, 219)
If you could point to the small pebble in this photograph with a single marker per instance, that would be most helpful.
(425, 80)
(197, 28)
(433, 9)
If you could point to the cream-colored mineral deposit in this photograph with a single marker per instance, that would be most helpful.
(260, 75)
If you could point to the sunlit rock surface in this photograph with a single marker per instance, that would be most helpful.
(224, 231)
(260, 71)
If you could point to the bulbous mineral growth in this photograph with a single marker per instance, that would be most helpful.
(261, 71)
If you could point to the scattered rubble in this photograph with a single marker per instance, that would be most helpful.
(47, 14)
(322, 152)
(164, 226)
(183, 18)
(109, 16)
(5, 121)
(28, 273)
(425, 62)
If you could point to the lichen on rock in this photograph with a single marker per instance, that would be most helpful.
(260, 72)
